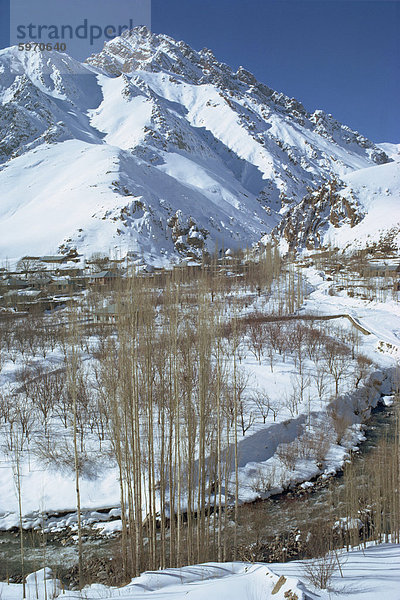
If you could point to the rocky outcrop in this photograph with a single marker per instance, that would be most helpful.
(305, 224)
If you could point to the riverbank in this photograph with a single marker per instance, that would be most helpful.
(279, 520)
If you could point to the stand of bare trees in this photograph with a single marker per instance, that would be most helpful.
(161, 391)
(172, 404)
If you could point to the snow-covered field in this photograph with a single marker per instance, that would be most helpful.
(365, 574)
(368, 574)
(233, 581)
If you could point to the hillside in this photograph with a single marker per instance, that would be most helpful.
(360, 211)
(153, 148)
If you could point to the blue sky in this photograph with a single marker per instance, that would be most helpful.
(339, 55)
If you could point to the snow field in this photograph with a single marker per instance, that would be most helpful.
(368, 574)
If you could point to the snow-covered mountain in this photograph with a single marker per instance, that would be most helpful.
(360, 211)
(154, 148)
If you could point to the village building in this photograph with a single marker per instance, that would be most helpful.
(22, 300)
(106, 314)
(104, 278)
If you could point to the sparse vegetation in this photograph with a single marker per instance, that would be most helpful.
(159, 385)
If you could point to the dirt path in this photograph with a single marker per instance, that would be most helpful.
(277, 318)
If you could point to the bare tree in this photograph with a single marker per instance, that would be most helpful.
(256, 338)
(16, 441)
(246, 417)
(320, 378)
(361, 369)
(263, 403)
(336, 357)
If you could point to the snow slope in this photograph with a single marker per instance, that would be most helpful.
(227, 581)
(376, 190)
(124, 204)
(368, 574)
(212, 155)
(392, 150)
(360, 210)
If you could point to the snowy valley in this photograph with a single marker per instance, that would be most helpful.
(199, 334)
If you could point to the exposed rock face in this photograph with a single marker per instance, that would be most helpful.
(305, 225)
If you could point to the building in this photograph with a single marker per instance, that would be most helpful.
(106, 314)
(104, 278)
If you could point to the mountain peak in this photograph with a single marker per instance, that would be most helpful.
(139, 49)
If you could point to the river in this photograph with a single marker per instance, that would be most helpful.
(280, 516)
